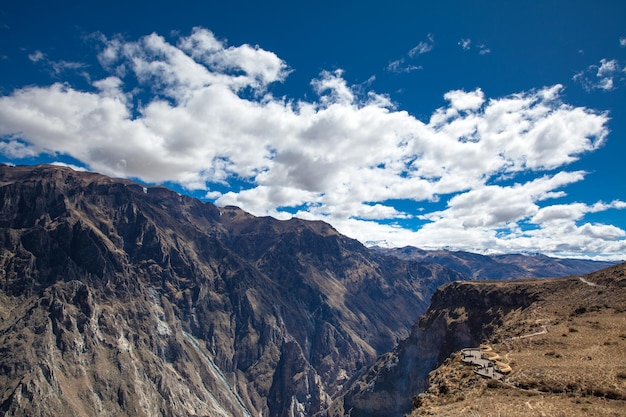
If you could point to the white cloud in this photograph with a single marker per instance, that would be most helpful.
(423, 47)
(401, 65)
(36, 56)
(199, 61)
(18, 149)
(336, 88)
(461, 100)
(498, 206)
(572, 212)
(56, 68)
(465, 43)
(59, 67)
(206, 116)
(607, 68)
(622, 42)
(74, 167)
(483, 50)
(607, 76)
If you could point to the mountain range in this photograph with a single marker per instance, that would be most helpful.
(502, 266)
(121, 299)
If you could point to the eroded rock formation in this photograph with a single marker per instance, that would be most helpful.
(124, 300)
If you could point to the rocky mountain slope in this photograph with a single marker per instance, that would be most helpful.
(507, 266)
(123, 300)
(563, 338)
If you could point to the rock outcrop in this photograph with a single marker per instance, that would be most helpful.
(465, 314)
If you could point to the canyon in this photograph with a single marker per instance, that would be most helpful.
(124, 299)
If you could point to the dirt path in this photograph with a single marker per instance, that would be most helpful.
(486, 361)
(591, 284)
(543, 330)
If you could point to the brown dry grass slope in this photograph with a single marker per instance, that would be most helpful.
(567, 352)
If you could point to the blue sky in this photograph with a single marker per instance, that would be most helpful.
(483, 126)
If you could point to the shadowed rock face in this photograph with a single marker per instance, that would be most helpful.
(122, 300)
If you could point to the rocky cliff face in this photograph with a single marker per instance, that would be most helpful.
(466, 314)
(565, 355)
(119, 299)
(462, 314)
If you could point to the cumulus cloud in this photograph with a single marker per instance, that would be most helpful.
(573, 212)
(18, 149)
(200, 113)
(606, 76)
(461, 100)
